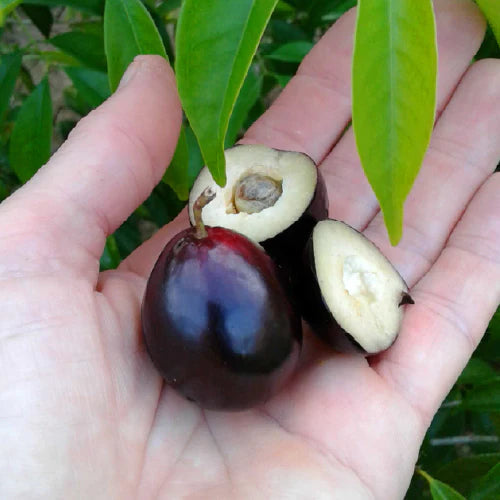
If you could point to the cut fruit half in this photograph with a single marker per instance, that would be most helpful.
(272, 197)
(255, 170)
(352, 295)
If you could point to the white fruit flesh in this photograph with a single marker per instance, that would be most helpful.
(358, 284)
(295, 171)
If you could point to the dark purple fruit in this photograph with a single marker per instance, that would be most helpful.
(273, 197)
(351, 295)
(217, 321)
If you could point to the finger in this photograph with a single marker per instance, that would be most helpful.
(460, 30)
(108, 166)
(453, 304)
(315, 107)
(463, 153)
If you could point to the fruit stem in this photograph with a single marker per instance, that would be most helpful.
(204, 199)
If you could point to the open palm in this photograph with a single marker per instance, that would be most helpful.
(83, 413)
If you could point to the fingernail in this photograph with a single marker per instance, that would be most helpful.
(129, 74)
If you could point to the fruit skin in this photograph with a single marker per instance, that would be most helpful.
(317, 314)
(287, 248)
(217, 321)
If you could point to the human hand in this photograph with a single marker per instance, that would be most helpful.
(83, 413)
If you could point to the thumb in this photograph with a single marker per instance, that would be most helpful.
(107, 167)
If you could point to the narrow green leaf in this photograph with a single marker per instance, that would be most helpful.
(249, 93)
(491, 10)
(484, 397)
(40, 16)
(291, 52)
(465, 471)
(335, 10)
(128, 32)
(85, 47)
(92, 85)
(110, 258)
(282, 79)
(31, 137)
(92, 6)
(10, 65)
(213, 58)
(394, 97)
(488, 486)
(439, 490)
(6, 7)
(177, 174)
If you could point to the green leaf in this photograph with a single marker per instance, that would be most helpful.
(249, 94)
(394, 97)
(477, 371)
(129, 31)
(31, 137)
(439, 490)
(195, 156)
(92, 6)
(92, 85)
(85, 47)
(491, 10)
(55, 57)
(177, 174)
(291, 52)
(6, 7)
(40, 16)
(484, 397)
(213, 58)
(465, 471)
(337, 10)
(110, 258)
(10, 65)
(282, 79)
(488, 487)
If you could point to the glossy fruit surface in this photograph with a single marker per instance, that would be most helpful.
(217, 321)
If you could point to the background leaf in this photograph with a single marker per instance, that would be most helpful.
(248, 96)
(464, 472)
(213, 58)
(488, 487)
(85, 47)
(177, 174)
(92, 85)
(30, 141)
(491, 10)
(394, 96)
(41, 16)
(92, 6)
(10, 64)
(291, 52)
(477, 371)
(440, 490)
(128, 32)
(484, 397)
(6, 7)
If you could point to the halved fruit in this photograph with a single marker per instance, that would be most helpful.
(272, 197)
(352, 296)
